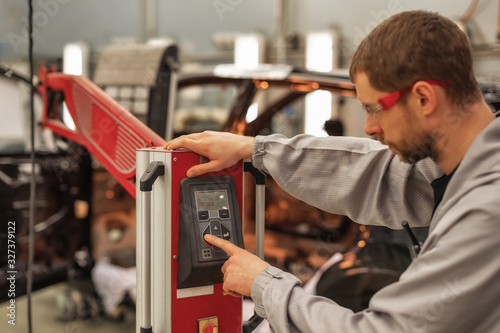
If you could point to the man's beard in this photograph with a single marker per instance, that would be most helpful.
(414, 148)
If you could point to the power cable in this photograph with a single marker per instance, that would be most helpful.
(31, 248)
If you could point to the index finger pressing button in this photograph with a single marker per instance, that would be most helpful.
(205, 232)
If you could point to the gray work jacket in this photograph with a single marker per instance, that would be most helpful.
(452, 286)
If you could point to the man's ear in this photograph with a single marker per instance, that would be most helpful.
(426, 97)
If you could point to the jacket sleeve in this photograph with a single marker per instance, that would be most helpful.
(451, 287)
(356, 177)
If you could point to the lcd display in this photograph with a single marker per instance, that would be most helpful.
(211, 200)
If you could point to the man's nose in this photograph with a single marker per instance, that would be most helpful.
(372, 127)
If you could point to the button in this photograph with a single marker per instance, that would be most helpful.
(206, 231)
(206, 253)
(216, 231)
(210, 328)
(224, 213)
(216, 228)
(226, 234)
(208, 325)
(203, 215)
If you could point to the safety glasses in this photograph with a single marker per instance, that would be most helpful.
(388, 101)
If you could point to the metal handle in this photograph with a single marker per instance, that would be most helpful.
(260, 210)
(146, 261)
(260, 206)
(153, 171)
(260, 213)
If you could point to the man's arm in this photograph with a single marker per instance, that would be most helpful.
(356, 177)
(451, 287)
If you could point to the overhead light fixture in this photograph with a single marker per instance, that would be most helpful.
(248, 50)
(321, 56)
(76, 59)
(318, 110)
(248, 54)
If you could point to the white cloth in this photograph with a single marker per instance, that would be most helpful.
(112, 283)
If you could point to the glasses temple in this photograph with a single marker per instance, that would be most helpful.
(388, 101)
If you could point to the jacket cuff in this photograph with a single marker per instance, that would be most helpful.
(258, 152)
(260, 283)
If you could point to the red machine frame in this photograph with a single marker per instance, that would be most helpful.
(106, 129)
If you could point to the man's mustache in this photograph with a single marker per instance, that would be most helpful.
(381, 139)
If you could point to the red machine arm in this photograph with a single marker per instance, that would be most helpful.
(103, 127)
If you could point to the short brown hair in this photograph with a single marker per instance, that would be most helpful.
(418, 45)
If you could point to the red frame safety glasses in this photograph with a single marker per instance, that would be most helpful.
(388, 101)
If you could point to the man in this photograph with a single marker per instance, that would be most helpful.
(415, 80)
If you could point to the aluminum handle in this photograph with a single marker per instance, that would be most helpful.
(146, 260)
(260, 210)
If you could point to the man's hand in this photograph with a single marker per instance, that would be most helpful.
(221, 148)
(240, 269)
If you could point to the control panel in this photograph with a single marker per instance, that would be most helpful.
(207, 205)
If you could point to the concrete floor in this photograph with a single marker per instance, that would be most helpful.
(46, 313)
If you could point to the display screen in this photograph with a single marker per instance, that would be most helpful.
(211, 200)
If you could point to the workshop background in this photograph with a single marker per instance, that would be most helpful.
(206, 33)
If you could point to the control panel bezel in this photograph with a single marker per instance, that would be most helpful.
(199, 263)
